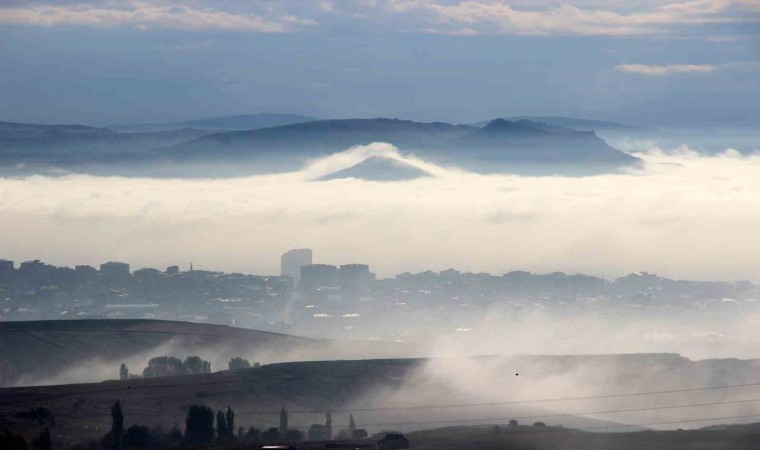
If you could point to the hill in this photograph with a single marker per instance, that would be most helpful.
(306, 389)
(236, 122)
(742, 437)
(69, 144)
(57, 351)
(591, 392)
(378, 168)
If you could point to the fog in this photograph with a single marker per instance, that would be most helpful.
(682, 215)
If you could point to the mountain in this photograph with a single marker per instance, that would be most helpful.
(579, 124)
(53, 144)
(501, 146)
(224, 123)
(378, 168)
(521, 144)
(319, 138)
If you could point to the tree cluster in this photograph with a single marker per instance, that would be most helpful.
(167, 366)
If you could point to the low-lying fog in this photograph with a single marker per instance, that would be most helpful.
(682, 215)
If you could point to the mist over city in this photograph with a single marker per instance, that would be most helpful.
(386, 224)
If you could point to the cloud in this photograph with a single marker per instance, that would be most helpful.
(683, 215)
(670, 69)
(462, 17)
(145, 15)
(646, 69)
(570, 18)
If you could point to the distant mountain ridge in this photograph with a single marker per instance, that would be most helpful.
(501, 146)
(574, 123)
(223, 123)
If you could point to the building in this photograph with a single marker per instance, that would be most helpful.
(147, 275)
(292, 261)
(86, 274)
(7, 270)
(318, 275)
(114, 272)
(355, 276)
(172, 270)
(36, 272)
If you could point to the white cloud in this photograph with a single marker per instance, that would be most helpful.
(646, 69)
(455, 17)
(669, 69)
(570, 18)
(140, 14)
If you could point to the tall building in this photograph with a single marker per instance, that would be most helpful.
(292, 261)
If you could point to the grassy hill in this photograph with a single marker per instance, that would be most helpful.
(39, 352)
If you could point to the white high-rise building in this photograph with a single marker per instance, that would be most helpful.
(292, 260)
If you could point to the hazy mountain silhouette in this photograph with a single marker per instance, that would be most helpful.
(64, 142)
(378, 168)
(320, 138)
(579, 124)
(500, 146)
(523, 141)
(224, 123)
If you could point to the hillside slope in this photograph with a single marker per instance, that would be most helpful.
(91, 350)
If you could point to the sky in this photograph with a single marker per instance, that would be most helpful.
(649, 62)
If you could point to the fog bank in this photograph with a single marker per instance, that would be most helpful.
(682, 215)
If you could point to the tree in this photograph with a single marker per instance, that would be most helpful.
(12, 441)
(174, 437)
(206, 367)
(199, 425)
(221, 426)
(328, 426)
(343, 434)
(238, 363)
(42, 441)
(513, 423)
(293, 436)
(283, 421)
(194, 364)
(252, 435)
(117, 418)
(138, 436)
(351, 424)
(271, 435)
(360, 433)
(539, 424)
(230, 416)
(317, 432)
(123, 372)
(164, 366)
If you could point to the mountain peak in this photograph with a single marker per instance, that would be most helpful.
(378, 168)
